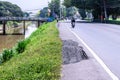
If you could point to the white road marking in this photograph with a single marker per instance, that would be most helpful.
(96, 57)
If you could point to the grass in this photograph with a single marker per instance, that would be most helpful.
(41, 59)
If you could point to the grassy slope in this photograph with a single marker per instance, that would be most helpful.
(40, 61)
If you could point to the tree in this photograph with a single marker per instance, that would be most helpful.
(99, 7)
(54, 6)
(9, 9)
(77, 3)
(67, 3)
(26, 14)
(71, 11)
(44, 12)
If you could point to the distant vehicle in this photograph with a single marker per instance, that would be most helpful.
(50, 19)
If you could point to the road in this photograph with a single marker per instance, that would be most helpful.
(104, 40)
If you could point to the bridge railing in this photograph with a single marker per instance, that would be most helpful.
(22, 18)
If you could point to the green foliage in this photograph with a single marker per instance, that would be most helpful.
(7, 54)
(113, 22)
(9, 9)
(97, 6)
(41, 59)
(26, 14)
(67, 3)
(54, 6)
(82, 12)
(71, 11)
(44, 12)
(20, 46)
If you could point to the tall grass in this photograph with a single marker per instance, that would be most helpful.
(41, 59)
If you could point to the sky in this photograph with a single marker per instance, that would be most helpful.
(30, 4)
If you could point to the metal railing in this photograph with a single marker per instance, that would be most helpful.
(22, 19)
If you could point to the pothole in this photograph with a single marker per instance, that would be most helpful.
(72, 53)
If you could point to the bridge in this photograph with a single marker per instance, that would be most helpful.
(5, 19)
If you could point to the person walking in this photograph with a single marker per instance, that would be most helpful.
(73, 22)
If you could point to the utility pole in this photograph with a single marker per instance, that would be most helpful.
(60, 9)
(84, 3)
(53, 9)
(105, 11)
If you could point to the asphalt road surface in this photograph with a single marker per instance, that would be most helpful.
(104, 39)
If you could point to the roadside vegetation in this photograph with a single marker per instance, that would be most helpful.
(113, 22)
(35, 58)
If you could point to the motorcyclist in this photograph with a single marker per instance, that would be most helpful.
(73, 22)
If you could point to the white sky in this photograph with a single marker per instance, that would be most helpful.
(30, 4)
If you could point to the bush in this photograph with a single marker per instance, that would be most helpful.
(21, 46)
(113, 22)
(7, 54)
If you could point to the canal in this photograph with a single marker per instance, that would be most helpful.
(8, 41)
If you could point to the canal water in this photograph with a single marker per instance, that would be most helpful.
(8, 41)
(29, 30)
